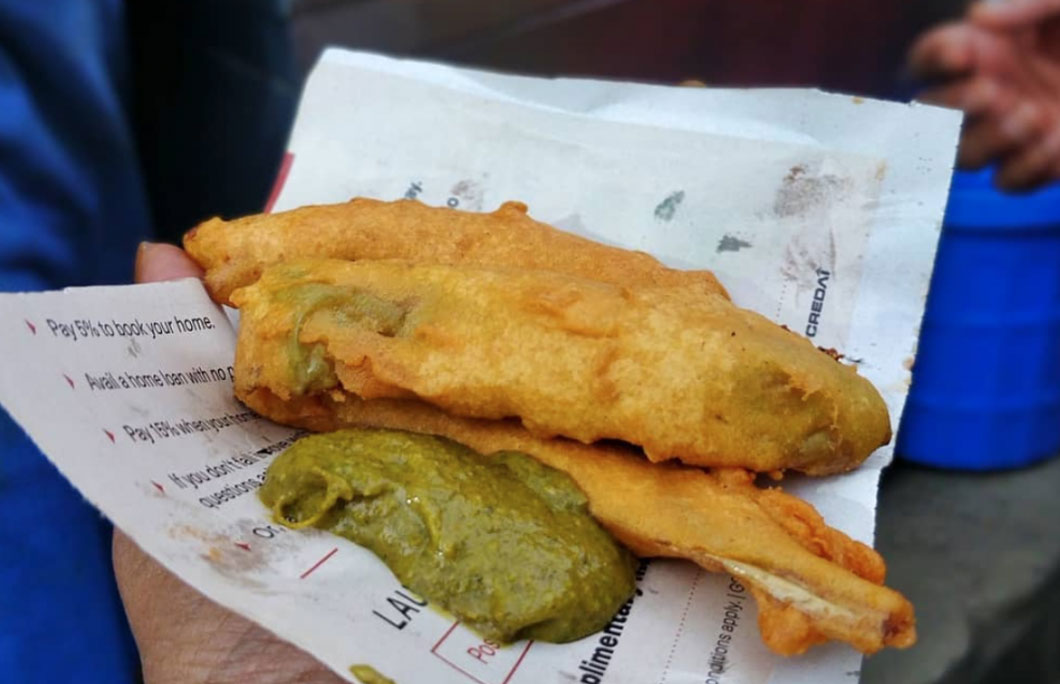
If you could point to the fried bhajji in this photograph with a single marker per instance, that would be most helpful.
(812, 583)
(234, 253)
(683, 374)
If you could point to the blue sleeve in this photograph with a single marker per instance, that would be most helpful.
(72, 210)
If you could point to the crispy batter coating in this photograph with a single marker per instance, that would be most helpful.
(812, 583)
(681, 373)
(234, 253)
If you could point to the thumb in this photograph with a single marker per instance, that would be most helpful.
(158, 261)
(1013, 14)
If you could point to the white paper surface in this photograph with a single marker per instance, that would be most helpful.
(791, 197)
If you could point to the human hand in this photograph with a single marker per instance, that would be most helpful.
(1001, 65)
(183, 637)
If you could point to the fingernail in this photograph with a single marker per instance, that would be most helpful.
(141, 255)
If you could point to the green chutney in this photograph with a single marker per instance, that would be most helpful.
(503, 542)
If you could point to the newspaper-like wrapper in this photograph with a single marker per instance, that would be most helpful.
(820, 211)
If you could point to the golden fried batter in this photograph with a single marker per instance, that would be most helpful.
(812, 583)
(682, 373)
(234, 253)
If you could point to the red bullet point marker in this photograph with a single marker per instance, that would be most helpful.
(32, 328)
(69, 381)
(158, 486)
(109, 434)
(243, 545)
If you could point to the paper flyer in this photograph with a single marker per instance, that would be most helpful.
(820, 211)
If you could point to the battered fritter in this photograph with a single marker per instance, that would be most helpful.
(812, 583)
(234, 253)
(683, 374)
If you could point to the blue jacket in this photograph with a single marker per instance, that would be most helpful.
(72, 210)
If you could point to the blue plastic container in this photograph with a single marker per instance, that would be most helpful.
(986, 385)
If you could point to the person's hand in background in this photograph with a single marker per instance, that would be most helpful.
(184, 637)
(1001, 65)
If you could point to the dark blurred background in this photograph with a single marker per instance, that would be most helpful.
(217, 81)
(836, 44)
